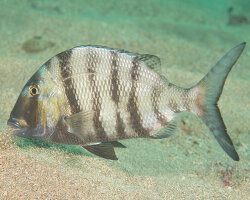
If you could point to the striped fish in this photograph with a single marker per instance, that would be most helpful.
(94, 96)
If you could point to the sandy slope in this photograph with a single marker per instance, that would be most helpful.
(189, 39)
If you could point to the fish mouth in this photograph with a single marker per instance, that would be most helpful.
(14, 123)
(18, 129)
(22, 129)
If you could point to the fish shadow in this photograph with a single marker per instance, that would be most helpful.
(26, 143)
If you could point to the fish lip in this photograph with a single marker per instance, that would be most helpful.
(14, 123)
(18, 129)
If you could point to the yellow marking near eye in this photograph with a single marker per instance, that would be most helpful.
(21, 122)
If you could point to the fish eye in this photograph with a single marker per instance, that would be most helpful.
(34, 90)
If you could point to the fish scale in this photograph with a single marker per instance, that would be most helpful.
(105, 94)
(141, 109)
(94, 96)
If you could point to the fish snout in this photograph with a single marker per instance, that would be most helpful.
(16, 123)
(13, 123)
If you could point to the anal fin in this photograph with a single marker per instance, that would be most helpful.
(104, 150)
(166, 131)
(116, 144)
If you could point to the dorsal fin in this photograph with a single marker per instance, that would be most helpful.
(151, 61)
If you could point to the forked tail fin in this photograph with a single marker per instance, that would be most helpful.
(208, 92)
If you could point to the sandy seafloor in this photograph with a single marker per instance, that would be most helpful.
(189, 37)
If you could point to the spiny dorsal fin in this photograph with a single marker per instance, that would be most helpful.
(166, 131)
(104, 150)
(151, 61)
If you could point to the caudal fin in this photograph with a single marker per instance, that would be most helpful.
(209, 90)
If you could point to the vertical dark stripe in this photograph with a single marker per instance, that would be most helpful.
(173, 105)
(31, 111)
(114, 78)
(92, 60)
(172, 102)
(66, 74)
(186, 99)
(155, 104)
(135, 118)
(120, 126)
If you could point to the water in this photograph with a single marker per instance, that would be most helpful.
(189, 37)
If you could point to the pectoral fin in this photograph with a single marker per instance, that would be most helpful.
(104, 150)
(78, 123)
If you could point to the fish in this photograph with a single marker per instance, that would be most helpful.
(96, 96)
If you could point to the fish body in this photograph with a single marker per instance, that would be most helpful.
(94, 96)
